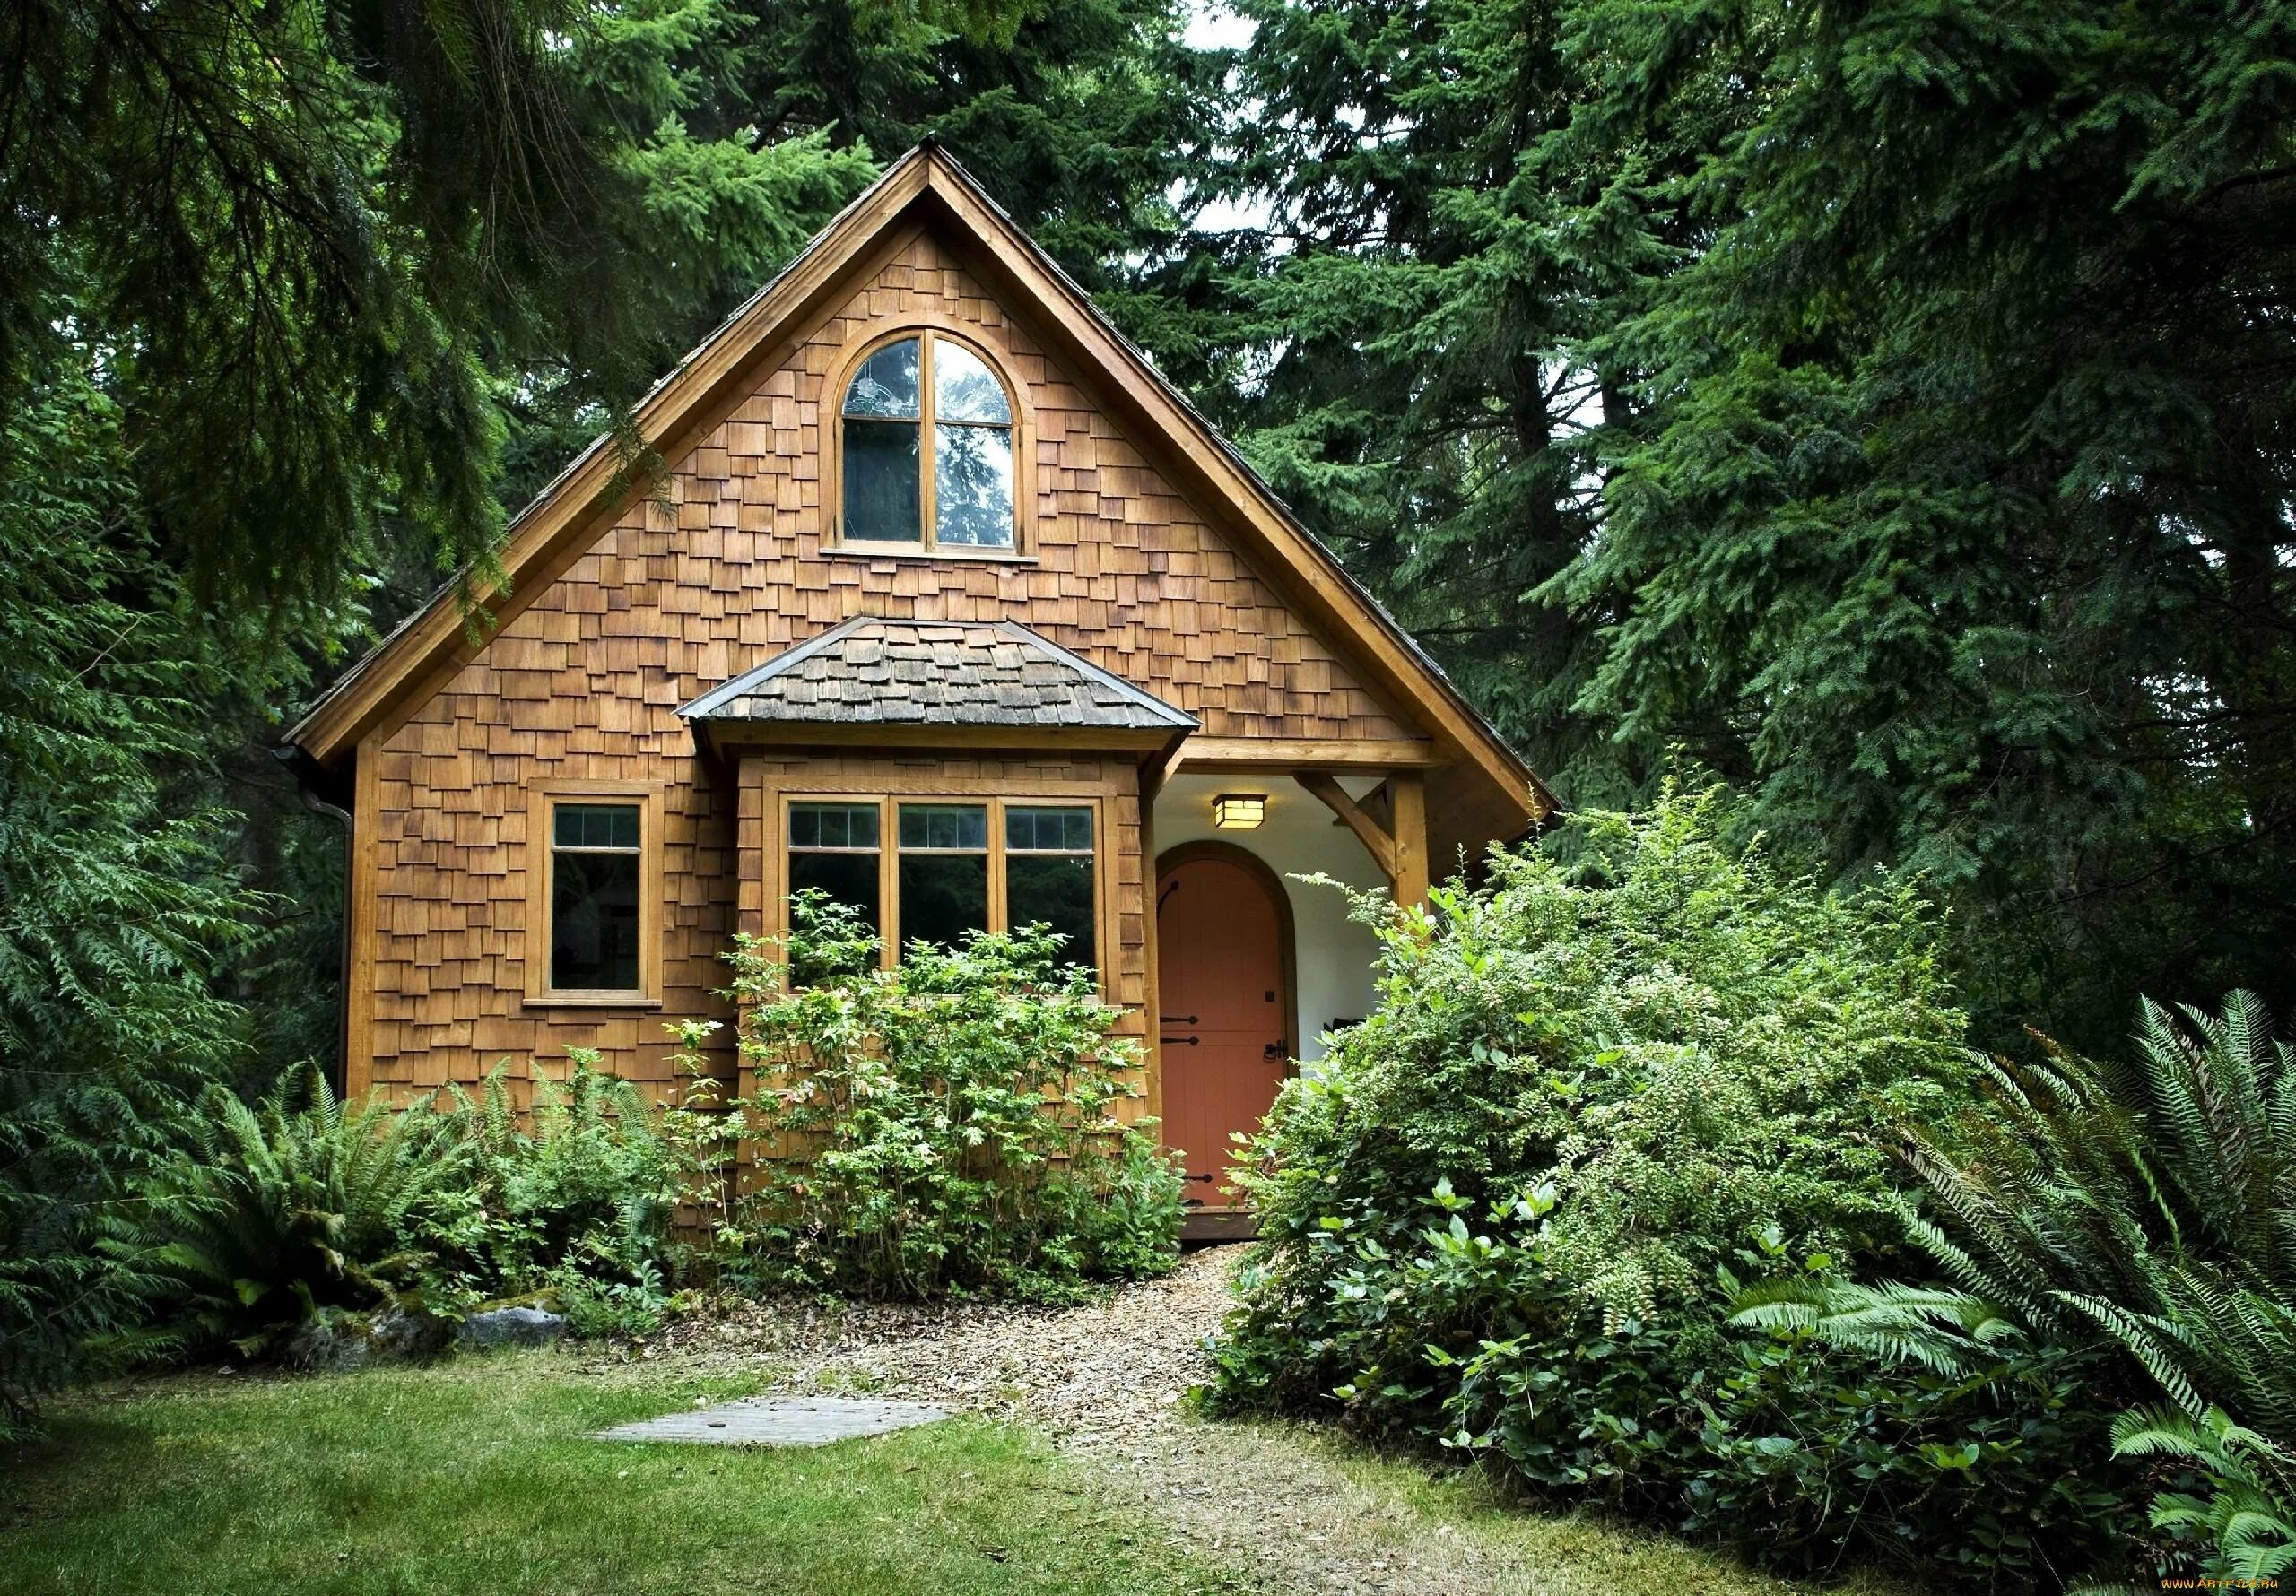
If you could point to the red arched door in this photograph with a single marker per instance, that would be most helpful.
(1224, 996)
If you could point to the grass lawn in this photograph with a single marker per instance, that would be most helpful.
(475, 1476)
(1423, 1513)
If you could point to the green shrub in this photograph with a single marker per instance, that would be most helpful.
(953, 1119)
(277, 1212)
(2150, 1210)
(306, 1208)
(1509, 1211)
(575, 1199)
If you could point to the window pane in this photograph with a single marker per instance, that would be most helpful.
(593, 922)
(963, 389)
(832, 825)
(972, 486)
(1054, 889)
(596, 826)
(944, 825)
(881, 481)
(887, 384)
(849, 879)
(1049, 830)
(943, 896)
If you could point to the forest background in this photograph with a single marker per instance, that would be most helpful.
(1882, 406)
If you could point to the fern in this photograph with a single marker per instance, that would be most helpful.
(2247, 1514)
(2149, 1206)
(275, 1213)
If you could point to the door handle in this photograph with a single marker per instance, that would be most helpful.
(1275, 1050)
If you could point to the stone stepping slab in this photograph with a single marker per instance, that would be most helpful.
(779, 1421)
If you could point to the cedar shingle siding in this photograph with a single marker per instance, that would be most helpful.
(721, 570)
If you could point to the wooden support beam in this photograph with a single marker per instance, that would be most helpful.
(1362, 755)
(1335, 798)
(1407, 798)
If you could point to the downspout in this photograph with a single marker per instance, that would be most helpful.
(308, 775)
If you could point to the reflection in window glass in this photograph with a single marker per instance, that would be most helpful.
(943, 892)
(943, 896)
(833, 825)
(1049, 876)
(1054, 889)
(887, 384)
(963, 388)
(594, 910)
(944, 825)
(595, 825)
(1049, 830)
(833, 851)
(881, 481)
(972, 486)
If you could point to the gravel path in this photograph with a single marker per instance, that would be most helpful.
(1106, 1384)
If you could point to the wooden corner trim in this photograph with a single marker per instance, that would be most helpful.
(358, 998)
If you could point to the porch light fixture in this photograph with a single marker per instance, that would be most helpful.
(1238, 812)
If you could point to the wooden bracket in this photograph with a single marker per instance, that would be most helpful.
(1335, 798)
(1401, 854)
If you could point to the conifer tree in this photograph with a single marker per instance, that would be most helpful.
(1885, 406)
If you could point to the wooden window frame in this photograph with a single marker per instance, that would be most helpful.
(543, 802)
(888, 803)
(927, 545)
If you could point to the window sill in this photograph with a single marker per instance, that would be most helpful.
(592, 999)
(911, 553)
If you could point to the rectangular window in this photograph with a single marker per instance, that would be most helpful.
(958, 866)
(833, 850)
(943, 879)
(596, 855)
(1049, 876)
(881, 481)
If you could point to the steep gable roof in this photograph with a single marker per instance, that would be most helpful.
(874, 671)
(924, 185)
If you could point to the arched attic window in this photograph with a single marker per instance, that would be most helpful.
(920, 398)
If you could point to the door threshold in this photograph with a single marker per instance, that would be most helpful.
(1218, 1224)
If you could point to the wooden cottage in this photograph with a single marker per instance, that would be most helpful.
(948, 605)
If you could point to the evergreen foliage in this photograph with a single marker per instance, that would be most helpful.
(1888, 404)
(118, 906)
(2150, 1208)
(314, 239)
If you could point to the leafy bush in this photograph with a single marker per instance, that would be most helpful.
(2152, 1209)
(275, 1213)
(947, 1124)
(1509, 1211)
